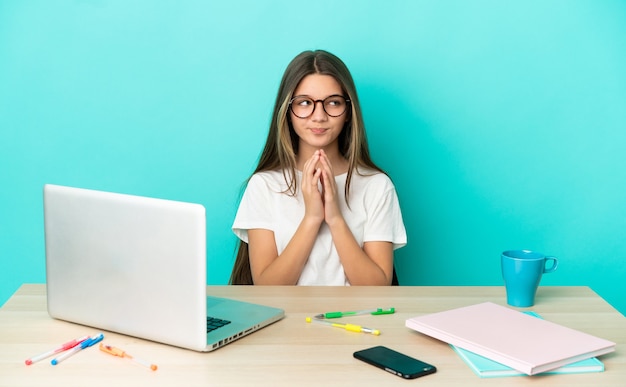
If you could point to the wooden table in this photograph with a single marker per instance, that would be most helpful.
(292, 352)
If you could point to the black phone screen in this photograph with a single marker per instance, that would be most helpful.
(395, 362)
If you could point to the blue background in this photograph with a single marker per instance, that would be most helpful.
(502, 123)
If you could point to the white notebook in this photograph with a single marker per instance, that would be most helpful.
(510, 337)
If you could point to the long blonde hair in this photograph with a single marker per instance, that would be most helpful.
(281, 146)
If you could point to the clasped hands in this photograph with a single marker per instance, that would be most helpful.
(319, 189)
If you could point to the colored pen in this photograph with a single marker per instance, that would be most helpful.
(374, 312)
(85, 344)
(120, 353)
(348, 327)
(64, 347)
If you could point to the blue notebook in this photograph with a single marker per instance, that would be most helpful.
(486, 368)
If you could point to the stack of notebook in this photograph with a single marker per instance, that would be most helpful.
(486, 368)
(522, 343)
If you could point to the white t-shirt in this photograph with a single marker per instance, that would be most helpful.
(374, 215)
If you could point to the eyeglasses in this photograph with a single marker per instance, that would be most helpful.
(303, 107)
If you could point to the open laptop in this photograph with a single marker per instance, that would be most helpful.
(137, 266)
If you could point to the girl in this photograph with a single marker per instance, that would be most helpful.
(317, 210)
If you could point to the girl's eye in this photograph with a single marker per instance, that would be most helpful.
(304, 102)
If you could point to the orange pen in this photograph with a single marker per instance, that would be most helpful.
(120, 353)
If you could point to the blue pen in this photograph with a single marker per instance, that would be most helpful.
(85, 344)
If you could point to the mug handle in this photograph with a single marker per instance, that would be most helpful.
(555, 263)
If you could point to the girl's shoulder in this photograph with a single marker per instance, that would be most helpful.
(370, 182)
(268, 175)
(273, 179)
(370, 176)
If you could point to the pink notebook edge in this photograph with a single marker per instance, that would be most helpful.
(518, 364)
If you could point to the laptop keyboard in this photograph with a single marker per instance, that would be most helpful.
(213, 323)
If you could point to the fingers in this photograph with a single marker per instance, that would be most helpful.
(311, 165)
(311, 176)
(318, 169)
(327, 175)
(320, 189)
(329, 191)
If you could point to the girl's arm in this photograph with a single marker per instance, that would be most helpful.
(370, 265)
(269, 268)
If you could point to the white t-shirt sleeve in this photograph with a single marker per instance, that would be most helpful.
(384, 218)
(255, 210)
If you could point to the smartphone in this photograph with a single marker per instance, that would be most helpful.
(395, 362)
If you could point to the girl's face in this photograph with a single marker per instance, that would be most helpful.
(319, 130)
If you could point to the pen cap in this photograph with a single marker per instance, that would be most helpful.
(112, 350)
(92, 341)
(380, 311)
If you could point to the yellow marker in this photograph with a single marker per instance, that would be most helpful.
(119, 353)
(348, 327)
